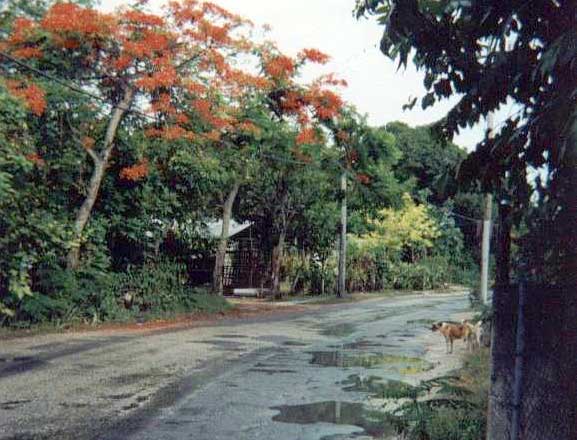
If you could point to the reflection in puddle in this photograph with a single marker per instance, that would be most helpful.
(359, 345)
(375, 386)
(339, 330)
(338, 413)
(372, 385)
(347, 359)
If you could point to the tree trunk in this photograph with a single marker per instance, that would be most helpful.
(217, 274)
(277, 255)
(503, 254)
(100, 164)
(547, 409)
(342, 288)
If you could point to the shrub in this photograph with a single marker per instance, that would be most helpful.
(158, 289)
(92, 294)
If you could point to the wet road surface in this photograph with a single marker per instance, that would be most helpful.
(309, 376)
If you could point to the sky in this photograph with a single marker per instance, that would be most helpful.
(375, 86)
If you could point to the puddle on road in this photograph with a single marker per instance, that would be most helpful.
(295, 344)
(271, 371)
(119, 396)
(375, 386)
(232, 336)
(13, 404)
(73, 405)
(359, 345)
(20, 364)
(337, 413)
(339, 330)
(346, 359)
(421, 322)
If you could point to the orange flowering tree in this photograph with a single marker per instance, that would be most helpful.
(295, 111)
(165, 67)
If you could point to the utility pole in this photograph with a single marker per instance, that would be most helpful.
(486, 243)
(341, 288)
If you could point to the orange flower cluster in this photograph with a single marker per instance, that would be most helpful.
(88, 142)
(174, 132)
(27, 52)
(163, 104)
(23, 29)
(249, 128)
(218, 12)
(326, 103)
(330, 80)
(141, 18)
(136, 172)
(203, 108)
(163, 78)
(241, 80)
(148, 44)
(122, 62)
(292, 102)
(35, 157)
(33, 96)
(213, 59)
(69, 17)
(171, 133)
(307, 135)
(181, 118)
(214, 34)
(280, 67)
(314, 56)
(213, 135)
(194, 87)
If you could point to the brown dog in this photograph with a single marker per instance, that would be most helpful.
(451, 331)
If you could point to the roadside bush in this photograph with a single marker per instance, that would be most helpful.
(93, 295)
(158, 289)
(304, 273)
(417, 247)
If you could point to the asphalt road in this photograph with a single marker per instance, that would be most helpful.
(300, 376)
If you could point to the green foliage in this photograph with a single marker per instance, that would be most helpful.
(416, 247)
(409, 230)
(155, 290)
(489, 54)
(92, 295)
(444, 408)
(426, 160)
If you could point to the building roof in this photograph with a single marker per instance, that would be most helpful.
(214, 228)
